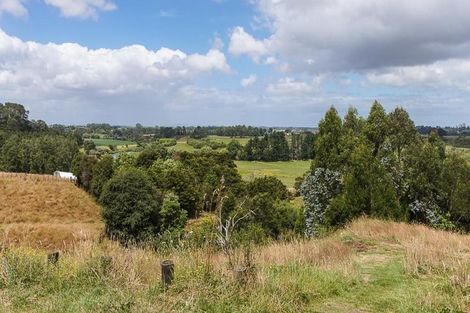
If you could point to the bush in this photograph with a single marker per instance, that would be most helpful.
(130, 206)
(172, 217)
(270, 185)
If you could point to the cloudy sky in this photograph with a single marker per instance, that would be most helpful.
(220, 62)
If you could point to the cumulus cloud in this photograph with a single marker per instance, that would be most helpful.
(243, 43)
(250, 80)
(82, 8)
(289, 85)
(14, 7)
(57, 69)
(356, 35)
(451, 73)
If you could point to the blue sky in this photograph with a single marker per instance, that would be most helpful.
(220, 62)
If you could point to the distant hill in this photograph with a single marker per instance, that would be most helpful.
(42, 211)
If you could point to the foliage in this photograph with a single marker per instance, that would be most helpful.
(318, 189)
(270, 185)
(102, 171)
(386, 170)
(82, 168)
(130, 207)
(37, 153)
(328, 148)
(271, 147)
(89, 145)
(172, 217)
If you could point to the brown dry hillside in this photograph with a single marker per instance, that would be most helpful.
(41, 211)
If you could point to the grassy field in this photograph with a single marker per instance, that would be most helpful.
(182, 145)
(465, 152)
(286, 171)
(106, 142)
(370, 266)
(41, 211)
(243, 140)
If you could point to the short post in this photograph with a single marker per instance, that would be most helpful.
(106, 262)
(240, 274)
(53, 257)
(168, 269)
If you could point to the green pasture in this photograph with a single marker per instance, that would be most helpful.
(286, 171)
(113, 142)
(465, 152)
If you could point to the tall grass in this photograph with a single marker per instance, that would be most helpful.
(370, 266)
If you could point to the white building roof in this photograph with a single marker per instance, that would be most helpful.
(66, 175)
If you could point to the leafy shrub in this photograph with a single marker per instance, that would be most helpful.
(130, 206)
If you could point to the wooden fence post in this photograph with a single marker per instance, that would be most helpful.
(240, 274)
(168, 269)
(53, 257)
(106, 263)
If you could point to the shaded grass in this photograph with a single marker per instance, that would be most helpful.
(286, 171)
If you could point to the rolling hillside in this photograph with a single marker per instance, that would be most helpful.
(41, 211)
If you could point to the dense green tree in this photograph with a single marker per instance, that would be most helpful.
(455, 185)
(89, 145)
(37, 153)
(376, 127)
(82, 168)
(402, 130)
(102, 172)
(172, 217)
(328, 149)
(270, 185)
(150, 154)
(130, 207)
(367, 189)
(124, 161)
(14, 117)
(176, 177)
(352, 122)
(234, 149)
(273, 216)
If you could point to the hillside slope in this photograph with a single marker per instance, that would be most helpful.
(370, 266)
(41, 211)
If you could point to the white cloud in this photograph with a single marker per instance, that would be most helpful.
(289, 85)
(54, 70)
(14, 7)
(164, 13)
(216, 42)
(243, 43)
(450, 73)
(250, 80)
(357, 35)
(82, 8)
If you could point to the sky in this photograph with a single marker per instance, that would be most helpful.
(225, 62)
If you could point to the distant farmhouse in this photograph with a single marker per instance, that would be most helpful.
(65, 175)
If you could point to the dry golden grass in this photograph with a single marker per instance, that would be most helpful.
(326, 252)
(427, 250)
(40, 211)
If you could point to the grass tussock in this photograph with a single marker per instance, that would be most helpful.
(426, 250)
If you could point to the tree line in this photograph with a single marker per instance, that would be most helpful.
(31, 146)
(275, 147)
(381, 167)
(153, 194)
